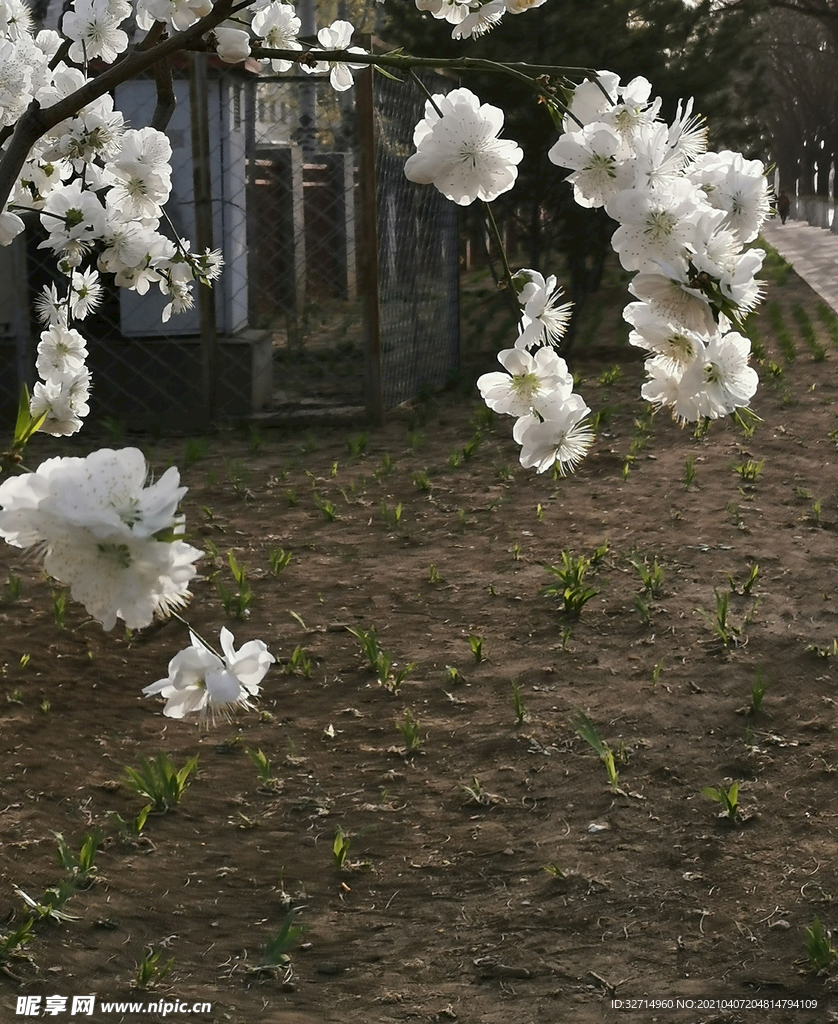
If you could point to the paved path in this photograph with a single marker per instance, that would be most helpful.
(813, 252)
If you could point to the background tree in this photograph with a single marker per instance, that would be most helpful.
(801, 58)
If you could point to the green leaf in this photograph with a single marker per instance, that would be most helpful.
(298, 618)
(26, 424)
(587, 730)
(387, 74)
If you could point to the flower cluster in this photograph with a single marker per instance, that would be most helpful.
(99, 190)
(538, 389)
(200, 680)
(685, 217)
(105, 532)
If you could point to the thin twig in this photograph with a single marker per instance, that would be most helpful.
(507, 273)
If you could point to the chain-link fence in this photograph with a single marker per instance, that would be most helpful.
(418, 255)
(340, 283)
(354, 269)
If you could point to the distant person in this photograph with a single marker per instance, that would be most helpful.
(783, 206)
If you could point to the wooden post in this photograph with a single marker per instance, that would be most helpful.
(202, 197)
(368, 262)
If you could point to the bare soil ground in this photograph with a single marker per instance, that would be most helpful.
(443, 910)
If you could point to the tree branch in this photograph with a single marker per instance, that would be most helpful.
(166, 102)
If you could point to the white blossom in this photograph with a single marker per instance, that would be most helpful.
(528, 382)
(201, 681)
(544, 320)
(61, 351)
(559, 437)
(335, 37)
(95, 31)
(595, 156)
(279, 26)
(232, 44)
(105, 532)
(458, 149)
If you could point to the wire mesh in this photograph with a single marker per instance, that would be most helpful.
(303, 239)
(418, 254)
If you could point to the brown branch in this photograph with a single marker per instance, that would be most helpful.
(166, 102)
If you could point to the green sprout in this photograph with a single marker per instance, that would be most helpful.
(159, 782)
(392, 516)
(728, 798)
(471, 446)
(588, 732)
(275, 953)
(823, 652)
(236, 604)
(262, 762)
(651, 576)
(133, 831)
(644, 607)
(12, 943)
(554, 870)
(357, 445)
(760, 687)
(13, 589)
(409, 729)
(750, 470)
(325, 506)
(49, 907)
(60, 602)
(571, 586)
(385, 468)
(340, 849)
(518, 706)
(239, 477)
(608, 377)
(150, 971)
(748, 585)
(388, 677)
(369, 645)
(454, 676)
(299, 663)
(255, 439)
(80, 868)
(476, 645)
(720, 623)
(477, 795)
(819, 949)
(279, 559)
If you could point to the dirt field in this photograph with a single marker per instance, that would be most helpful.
(493, 874)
